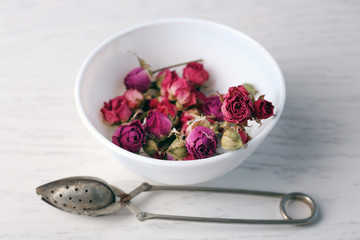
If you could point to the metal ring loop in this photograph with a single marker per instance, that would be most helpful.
(303, 198)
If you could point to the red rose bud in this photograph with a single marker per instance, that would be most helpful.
(263, 109)
(237, 106)
(158, 124)
(166, 77)
(195, 73)
(153, 103)
(116, 110)
(212, 108)
(201, 142)
(244, 136)
(231, 140)
(138, 78)
(130, 136)
(167, 108)
(134, 98)
(188, 157)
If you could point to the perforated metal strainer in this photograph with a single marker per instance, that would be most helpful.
(93, 196)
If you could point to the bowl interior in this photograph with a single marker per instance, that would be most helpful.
(230, 57)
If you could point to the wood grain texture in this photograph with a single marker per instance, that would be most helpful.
(314, 148)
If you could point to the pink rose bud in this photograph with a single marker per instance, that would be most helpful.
(134, 98)
(166, 78)
(212, 108)
(237, 106)
(195, 73)
(201, 142)
(158, 124)
(116, 110)
(138, 78)
(130, 136)
(181, 91)
(263, 109)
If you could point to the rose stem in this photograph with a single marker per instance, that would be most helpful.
(176, 65)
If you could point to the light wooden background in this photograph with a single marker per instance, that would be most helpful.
(314, 148)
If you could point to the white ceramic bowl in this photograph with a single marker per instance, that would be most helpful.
(231, 58)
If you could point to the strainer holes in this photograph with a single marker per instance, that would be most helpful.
(55, 201)
(80, 200)
(74, 207)
(60, 195)
(76, 189)
(64, 205)
(86, 190)
(52, 191)
(70, 198)
(90, 201)
(67, 187)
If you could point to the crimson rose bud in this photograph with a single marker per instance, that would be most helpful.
(138, 78)
(244, 136)
(263, 109)
(130, 136)
(158, 124)
(237, 106)
(116, 110)
(195, 73)
(201, 142)
(212, 107)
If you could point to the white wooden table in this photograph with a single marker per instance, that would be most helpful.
(314, 148)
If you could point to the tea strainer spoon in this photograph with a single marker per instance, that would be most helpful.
(93, 197)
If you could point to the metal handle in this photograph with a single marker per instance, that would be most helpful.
(142, 216)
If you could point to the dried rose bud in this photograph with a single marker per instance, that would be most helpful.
(231, 140)
(237, 106)
(180, 91)
(158, 124)
(167, 108)
(177, 150)
(150, 147)
(134, 98)
(212, 108)
(116, 110)
(200, 121)
(244, 136)
(185, 117)
(250, 88)
(130, 136)
(195, 73)
(138, 78)
(164, 79)
(201, 142)
(263, 109)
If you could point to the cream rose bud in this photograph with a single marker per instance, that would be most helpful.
(150, 147)
(177, 150)
(231, 140)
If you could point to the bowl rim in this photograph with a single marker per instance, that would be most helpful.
(148, 160)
